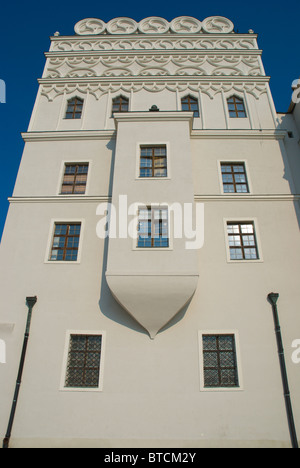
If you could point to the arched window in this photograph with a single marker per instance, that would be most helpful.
(189, 103)
(120, 104)
(74, 109)
(236, 107)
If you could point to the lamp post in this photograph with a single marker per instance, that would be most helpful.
(273, 298)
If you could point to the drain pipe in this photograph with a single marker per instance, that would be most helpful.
(273, 298)
(30, 302)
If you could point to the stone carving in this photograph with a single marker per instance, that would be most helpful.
(185, 25)
(90, 26)
(154, 25)
(109, 43)
(217, 25)
(149, 65)
(96, 89)
(122, 26)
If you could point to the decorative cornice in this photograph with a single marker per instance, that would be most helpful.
(198, 198)
(75, 135)
(166, 116)
(61, 199)
(266, 134)
(248, 198)
(69, 135)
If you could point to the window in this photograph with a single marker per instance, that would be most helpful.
(83, 363)
(153, 161)
(234, 178)
(74, 109)
(153, 227)
(236, 107)
(65, 242)
(242, 241)
(189, 103)
(219, 361)
(120, 104)
(75, 178)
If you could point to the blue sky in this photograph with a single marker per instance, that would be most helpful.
(24, 37)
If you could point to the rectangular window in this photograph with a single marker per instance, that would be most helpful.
(83, 364)
(219, 361)
(153, 161)
(65, 242)
(234, 178)
(153, 230)
(75, 178)
(242, 241)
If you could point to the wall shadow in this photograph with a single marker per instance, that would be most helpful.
(108, 305)
(291, 157)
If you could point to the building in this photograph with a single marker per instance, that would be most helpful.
(160, 335)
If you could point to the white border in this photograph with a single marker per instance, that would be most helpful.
(50, 238)
(233, 161)
(62, 386)
(113, 96)
(61, 177)
(135, 239)
(227, 95)
(138, 156)
(238, 359)
(257, 237)
(74, 96)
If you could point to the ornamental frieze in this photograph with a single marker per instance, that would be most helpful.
(154, 25)
(152, 65)
(53, 90)
(111, 44)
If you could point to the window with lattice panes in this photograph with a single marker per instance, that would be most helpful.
(74, 108)
(65, 243)
(219, 361)
(83, 364)
(153, 161)
(234, 178)
(75, 179)
(190, 103)
(236, 107)
(153, 229)
(120, 104)
(242, 241)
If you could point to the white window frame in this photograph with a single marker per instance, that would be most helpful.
(234, 161)
(113, 96)
(135, 239)
(61, 178)
(138, 157)
(238, 359)
(257, 236)
(69, 98)
(62, 386)
(55, 221)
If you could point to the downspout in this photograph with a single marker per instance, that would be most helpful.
(30, 302)
(273, 298)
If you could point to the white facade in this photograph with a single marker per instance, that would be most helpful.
(153, 306)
